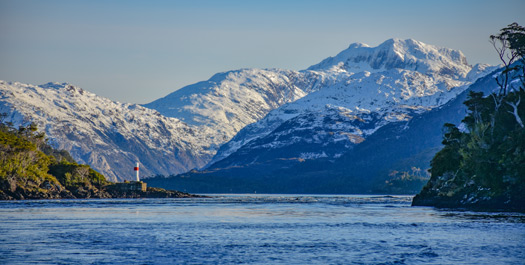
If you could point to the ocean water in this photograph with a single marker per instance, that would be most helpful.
(255, 229)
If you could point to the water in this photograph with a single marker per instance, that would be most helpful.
(262, 229)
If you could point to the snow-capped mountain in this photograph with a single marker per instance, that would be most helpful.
(112, 136)
(229, 101)
(391, 82)
(264, 115)
(398, 146)
(109, 136)
(407, 54)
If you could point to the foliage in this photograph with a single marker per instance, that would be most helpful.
(510, 46)
(73, 175)
(20, 157)
(510, 42)
(30, 168)
(486, 158)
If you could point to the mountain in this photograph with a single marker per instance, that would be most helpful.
(400, 146)
(109, 136)
(259, 113)
(229, 101)
(184, 132)
(397, 146)
(407, 54)
(112, 136)
(328, 122)
(376, 86)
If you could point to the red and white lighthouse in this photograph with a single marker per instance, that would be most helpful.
(137, 171)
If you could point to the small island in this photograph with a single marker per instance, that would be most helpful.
(31, 169)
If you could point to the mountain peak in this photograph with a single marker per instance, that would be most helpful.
(404, 47)
(56, 85)
(396, 53)
(63, 86)
(356, 45)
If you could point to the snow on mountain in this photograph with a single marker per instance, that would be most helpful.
(391, 82)
(407, 54)
(229, 101)
(105, 134)
(318, 112)
(112, 136)
(309, 168)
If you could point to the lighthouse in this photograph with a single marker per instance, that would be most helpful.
(137, 171)
(131, 186)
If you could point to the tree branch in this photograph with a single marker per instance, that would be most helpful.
(515, 111)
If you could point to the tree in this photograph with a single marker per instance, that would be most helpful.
(510, 46)
(484, 165)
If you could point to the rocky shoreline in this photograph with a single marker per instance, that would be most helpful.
(473, 198)
(9, 190)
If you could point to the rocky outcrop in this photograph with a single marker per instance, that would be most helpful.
(152, 193)
(472, 197)
(10, 190)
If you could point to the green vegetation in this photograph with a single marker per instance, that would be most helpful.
(32, 169)
(81, 180)
(482, 165)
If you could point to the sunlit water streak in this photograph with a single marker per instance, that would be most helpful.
(262, 229)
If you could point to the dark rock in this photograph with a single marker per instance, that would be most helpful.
(473, 198)
(150, 193)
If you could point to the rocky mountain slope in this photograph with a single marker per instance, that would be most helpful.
(396, 146)
(112, 136)
(229, 101)
(376, 86)
(109, 136)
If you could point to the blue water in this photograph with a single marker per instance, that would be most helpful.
(262, 229)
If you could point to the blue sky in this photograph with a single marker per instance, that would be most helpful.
(138, 51)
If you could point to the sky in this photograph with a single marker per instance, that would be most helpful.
(138, 51)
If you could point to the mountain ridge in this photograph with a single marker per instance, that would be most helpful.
(401, 93)
(397, 146)
(112, 136)
(393, 53)
(230, 100)
(106, 134)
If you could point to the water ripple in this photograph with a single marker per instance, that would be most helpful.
(255, 229)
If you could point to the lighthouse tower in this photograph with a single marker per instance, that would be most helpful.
(137, 170)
